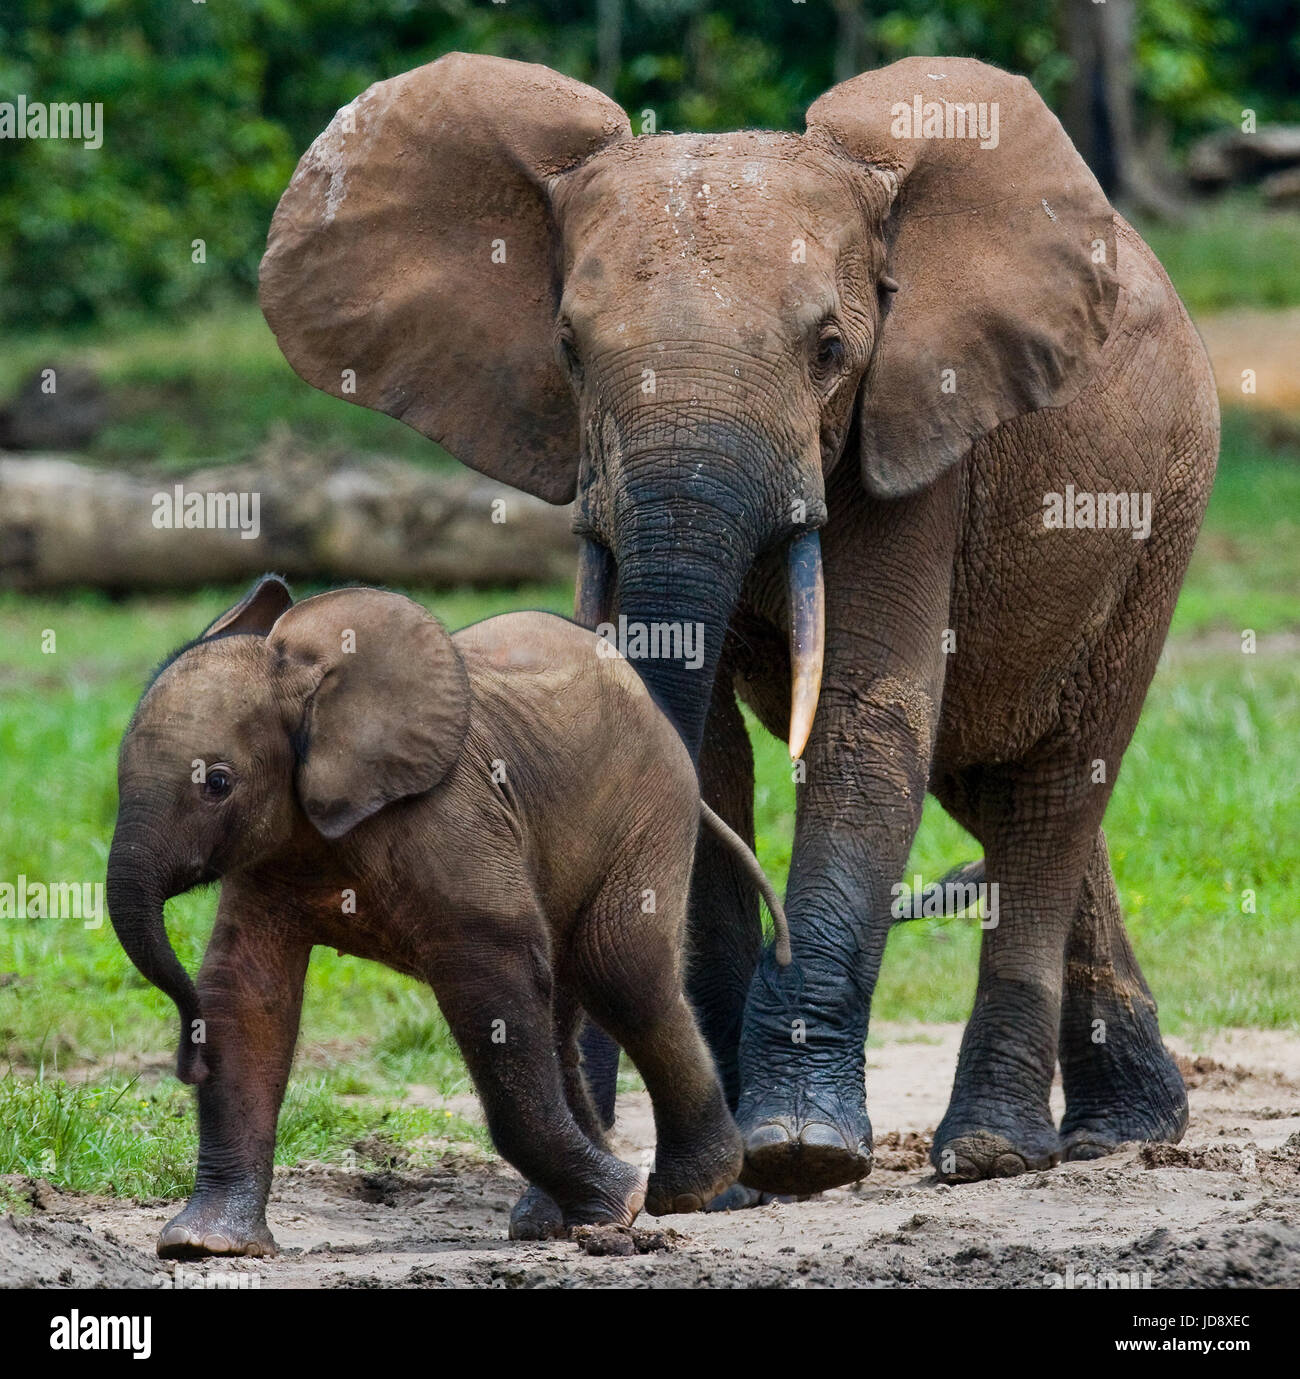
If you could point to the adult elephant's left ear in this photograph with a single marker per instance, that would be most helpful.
(1003, 248)
(411, 264)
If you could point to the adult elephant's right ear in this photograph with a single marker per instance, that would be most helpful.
(1001, 246)
(410, 265)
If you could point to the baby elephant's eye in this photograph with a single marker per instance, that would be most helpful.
(218, 782)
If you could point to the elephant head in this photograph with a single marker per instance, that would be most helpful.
(280, 725)
(688, 332)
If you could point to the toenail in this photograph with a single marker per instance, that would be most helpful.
(766, 1136)
(819, 1136)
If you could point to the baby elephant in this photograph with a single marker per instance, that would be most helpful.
(504, 814)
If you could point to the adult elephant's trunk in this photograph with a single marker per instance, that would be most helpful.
(136, 894)
(681, 561)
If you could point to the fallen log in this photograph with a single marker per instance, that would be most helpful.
(65, 524)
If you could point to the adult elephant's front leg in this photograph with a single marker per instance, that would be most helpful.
(888, 579)
(802, 1111)
(725, 937)
(250, 989)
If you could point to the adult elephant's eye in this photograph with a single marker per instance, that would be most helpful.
(568, 350)
(218, 783)
(828, 360)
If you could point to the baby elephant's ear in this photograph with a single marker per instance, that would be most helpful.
(387, 706)
(255, 614)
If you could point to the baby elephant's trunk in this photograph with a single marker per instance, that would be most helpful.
(727, 835)
(135, 905)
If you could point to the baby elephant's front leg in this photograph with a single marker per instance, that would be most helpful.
(250, 991)
(494, 985)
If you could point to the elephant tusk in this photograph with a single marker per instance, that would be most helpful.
(807, 636)
(593, 593)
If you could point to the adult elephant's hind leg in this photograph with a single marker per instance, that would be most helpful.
(1120, 1081)
(1037, 825)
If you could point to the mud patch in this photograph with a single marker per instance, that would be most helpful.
(67, 1254)
(1220, 1210)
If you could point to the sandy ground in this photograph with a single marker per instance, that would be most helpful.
(1223, 1208)
(1263, 341)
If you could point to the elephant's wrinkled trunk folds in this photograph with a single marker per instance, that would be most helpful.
(136, 895)
(594, 598)
(680, 567)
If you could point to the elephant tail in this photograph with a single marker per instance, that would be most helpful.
(961, 882)
(740, 850)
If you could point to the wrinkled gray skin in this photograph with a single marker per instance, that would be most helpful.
(719, 343)
(488, 813)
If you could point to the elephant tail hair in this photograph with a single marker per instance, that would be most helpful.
(960, 881)
(726, 835)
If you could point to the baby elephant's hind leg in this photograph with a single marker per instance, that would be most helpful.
(493, 981)
(627, 971)
(536, 1215)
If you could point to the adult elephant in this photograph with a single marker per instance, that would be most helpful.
(917, 329)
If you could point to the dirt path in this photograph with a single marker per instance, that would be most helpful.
(1223, 1208)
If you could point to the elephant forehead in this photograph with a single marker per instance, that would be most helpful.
(219, 688)
(686, 201)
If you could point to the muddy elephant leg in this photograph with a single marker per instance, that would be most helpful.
(536, 1215)
(803, 1111)
(626, 970)
(493, 981)
(1120, 1081)
(250, 987)
(888, 585)
(1037, 825)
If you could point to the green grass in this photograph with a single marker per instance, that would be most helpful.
(138, 1138)
(1245, 572)
(211, 388)
(1231, 252)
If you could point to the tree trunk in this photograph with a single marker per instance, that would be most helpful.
(64, 524)
(1098, 110)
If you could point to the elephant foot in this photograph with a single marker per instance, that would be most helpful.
(801, 1147)
(536, 1216)
(1094, 1135)
(738, 1197)
(689, 1182)
(1146, 1104)
(216, 1227)
(969, 1154)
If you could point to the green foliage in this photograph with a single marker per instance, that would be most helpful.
(208, 106)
